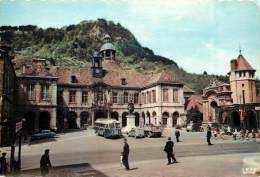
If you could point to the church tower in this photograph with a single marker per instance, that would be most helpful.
(242, 81)
(108, 50)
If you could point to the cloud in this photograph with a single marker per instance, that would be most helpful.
(215, 61)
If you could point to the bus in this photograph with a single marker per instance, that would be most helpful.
(108, 128)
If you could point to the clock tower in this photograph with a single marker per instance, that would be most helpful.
(97, 70)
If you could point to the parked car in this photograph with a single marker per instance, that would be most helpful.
(43, 135)
(136, 132)
(152, 130)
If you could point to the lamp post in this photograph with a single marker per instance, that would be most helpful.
(243, 108)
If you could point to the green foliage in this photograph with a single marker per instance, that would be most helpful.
(73, 45)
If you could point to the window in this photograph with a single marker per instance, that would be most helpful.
(72, 96)
(126, 97)
(45, 92)
(59, 96)
(120, 100)
(30, 91)
(244, 74)
(165, 95)
(154, 96)
(84, 97)
(175, 95)
(240, 74)
(143, 98)
(114, 97)
(149, 99)
(123, 81)
(131, 97)
(164, 121)
(74, 79)
(136, 95)
(100, 96)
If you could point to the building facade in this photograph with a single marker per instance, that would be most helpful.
(70, 98)
(7, 93)
(234, 104)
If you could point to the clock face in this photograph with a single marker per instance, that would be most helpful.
(97, 71)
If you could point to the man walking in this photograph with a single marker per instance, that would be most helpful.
(169, 150)
(125, 154)
(3, 164)
(209, 135)
(45, 163)
(177, 135)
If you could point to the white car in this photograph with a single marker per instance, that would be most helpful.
(136, 132)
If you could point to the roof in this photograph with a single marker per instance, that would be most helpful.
(161, 78)
(194, 101)
(186, 89)
(107, 46)
(113, 75)
(242, 64)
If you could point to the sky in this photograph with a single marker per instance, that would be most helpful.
(200, 35)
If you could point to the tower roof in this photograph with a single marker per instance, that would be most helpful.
(242, 64)
(107, 46)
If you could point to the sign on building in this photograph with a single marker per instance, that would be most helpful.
(18, 126)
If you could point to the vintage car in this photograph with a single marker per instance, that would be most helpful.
(136, 132)
(43, 135)
(151, 130)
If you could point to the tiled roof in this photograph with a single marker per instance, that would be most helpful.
(195, 101)
(113, 75)
(186, 89)
(161, 78)
(242, 64)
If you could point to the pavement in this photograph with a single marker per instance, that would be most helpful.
(83, 153)
(230, 165)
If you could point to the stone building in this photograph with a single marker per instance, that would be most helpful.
(7, 93)
(235, 103)
(37, 96)
(79, 96)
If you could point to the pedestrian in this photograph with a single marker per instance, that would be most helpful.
(3, 163)
(168, 148)
(125, 154)
(45, 163)
(209, 135)
(177, 135)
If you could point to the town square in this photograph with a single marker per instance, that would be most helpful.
(85, 98)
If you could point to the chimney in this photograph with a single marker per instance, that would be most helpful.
(233, 64)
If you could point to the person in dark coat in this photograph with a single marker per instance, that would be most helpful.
(45, 163)
(209, 134)
(177, 135)
(169, 151)
(125, 154)
(3, 164)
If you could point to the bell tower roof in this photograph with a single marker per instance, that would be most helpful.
(241, 64)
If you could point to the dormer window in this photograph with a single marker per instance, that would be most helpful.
(74, 79)
(123, 81)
